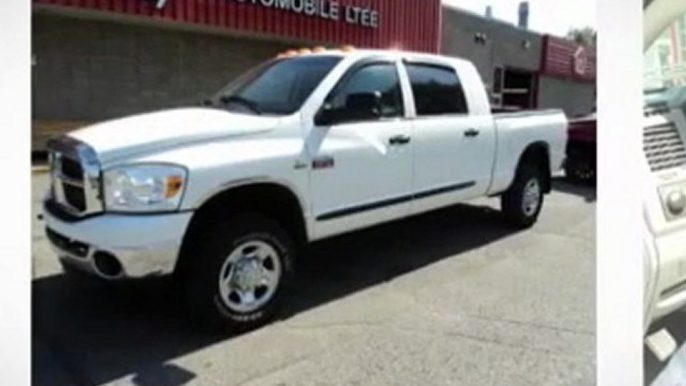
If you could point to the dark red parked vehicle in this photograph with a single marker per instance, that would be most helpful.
(580, 165)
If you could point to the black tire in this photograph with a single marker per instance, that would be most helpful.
(209, 252)
(512, 201)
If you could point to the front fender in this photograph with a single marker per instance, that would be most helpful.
(218, 166)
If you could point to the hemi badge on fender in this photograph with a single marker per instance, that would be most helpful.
(322, 162)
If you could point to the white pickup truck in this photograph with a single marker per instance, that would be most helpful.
(303, 147)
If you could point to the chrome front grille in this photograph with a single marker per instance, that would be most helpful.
(75, 176)
(75, 196)
(662, 143)
(72, 169)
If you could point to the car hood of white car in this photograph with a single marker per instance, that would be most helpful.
(155, 131)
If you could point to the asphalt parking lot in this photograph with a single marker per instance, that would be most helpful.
(448, 298)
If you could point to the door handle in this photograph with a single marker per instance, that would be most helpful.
(471, 133)
(400, 139)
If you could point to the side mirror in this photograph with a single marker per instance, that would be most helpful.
(358, 107)
(326, 116)
(365, 104)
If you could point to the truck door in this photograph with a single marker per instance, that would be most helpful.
(453, 148)
(361, 168)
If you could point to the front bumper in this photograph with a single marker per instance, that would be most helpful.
(141, 245)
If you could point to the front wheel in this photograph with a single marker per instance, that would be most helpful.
(522, 202)
(241, 273)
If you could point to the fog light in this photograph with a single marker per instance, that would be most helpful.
(107, 264)
(676, 201)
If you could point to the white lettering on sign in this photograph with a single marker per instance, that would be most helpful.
(325, 9)
(297, 6)
(283, 4)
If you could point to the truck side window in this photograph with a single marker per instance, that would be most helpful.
(437, 90)
(377, 78)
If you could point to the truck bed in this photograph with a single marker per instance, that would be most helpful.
(515, 131)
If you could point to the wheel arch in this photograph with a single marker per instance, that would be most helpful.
(539, 153)
(273, 199)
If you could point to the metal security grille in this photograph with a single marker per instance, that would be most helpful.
(662, 143)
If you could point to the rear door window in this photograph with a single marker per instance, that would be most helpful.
(437, 90)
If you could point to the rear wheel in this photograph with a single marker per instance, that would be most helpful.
(240, 273)
(522, 202)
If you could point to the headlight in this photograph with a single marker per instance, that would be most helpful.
(144, 188)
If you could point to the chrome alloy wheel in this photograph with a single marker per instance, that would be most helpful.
(531, 198)
(249, 276)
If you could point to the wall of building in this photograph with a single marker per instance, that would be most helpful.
(566, 59)
(508, 46)
(93, 70)
(505, 44)
(411, 24)
(575, 98)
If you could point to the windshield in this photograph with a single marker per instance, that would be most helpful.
(665, 61)
(277, 87)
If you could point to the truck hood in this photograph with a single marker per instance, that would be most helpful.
(149, 132)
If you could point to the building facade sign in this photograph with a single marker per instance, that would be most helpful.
(398, 24)
(580, 61)
(566, 59)
(325, 9)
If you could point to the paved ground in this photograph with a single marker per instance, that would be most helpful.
(449, 298)
(676, 324)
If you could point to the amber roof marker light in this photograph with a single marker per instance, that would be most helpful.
(314, 50)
